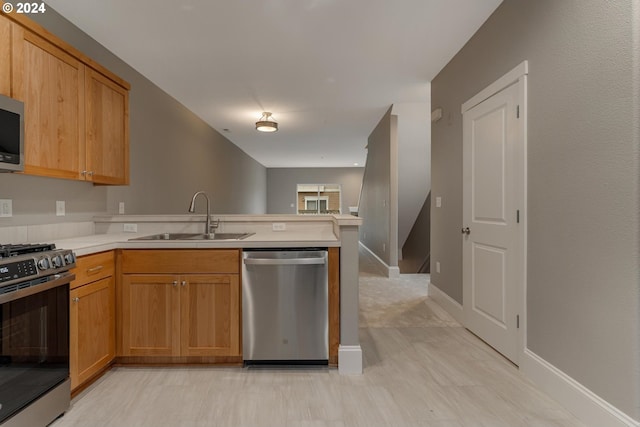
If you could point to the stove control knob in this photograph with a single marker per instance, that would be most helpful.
(69, 258)
(43, 263)
(57, 261)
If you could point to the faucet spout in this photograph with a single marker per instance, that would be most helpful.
(192, 209)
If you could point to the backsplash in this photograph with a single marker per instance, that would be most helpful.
(43, 233)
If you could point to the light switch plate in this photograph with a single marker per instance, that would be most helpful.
(438, 202)
(6, 208)
(437, 266)
(60, 208)
(121, 208)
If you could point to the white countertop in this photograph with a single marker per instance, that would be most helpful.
(107, 232)
(86, 245)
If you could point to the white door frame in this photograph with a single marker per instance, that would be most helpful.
(516, 75)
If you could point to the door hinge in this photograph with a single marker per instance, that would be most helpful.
(517, 112)
(518, 216)
(517, 321)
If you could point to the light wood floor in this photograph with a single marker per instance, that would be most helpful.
(421, 369)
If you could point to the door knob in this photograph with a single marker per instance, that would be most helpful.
(466, 231)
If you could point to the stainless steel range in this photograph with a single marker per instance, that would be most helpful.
(34, 333)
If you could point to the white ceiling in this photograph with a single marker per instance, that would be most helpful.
(327, 69)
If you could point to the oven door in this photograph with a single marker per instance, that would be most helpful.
(34, 343)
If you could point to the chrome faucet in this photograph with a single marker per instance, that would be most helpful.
(192, 209)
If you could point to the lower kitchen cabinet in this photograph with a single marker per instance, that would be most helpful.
(169, 312)
(180, 315)
(210, 315)
(92, 318)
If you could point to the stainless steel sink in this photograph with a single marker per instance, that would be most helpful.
(195, 236)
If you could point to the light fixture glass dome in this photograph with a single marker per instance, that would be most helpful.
(266, 123)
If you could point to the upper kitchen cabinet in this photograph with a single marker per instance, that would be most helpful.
(5, 57)
(107, 129)
(50, 83)
(76, 111)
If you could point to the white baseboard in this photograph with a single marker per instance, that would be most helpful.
(390, 272)
(450, 305)
(350, 360)
(591, 409)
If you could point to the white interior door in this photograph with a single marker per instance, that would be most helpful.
(493, 229)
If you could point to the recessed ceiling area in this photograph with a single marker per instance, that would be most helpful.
(327, 69)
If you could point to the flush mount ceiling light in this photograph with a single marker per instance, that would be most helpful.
(266, 123)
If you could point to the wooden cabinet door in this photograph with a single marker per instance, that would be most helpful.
(210, 315)
(5, 56)
(92, 327)
(50, 83)
(107, 130)
(150, 315)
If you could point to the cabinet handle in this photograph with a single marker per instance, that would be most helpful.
(83, 173)
(175, 283)
(95, 269)
(76, 299)
(90, 173)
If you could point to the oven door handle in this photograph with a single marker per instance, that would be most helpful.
(58, 280)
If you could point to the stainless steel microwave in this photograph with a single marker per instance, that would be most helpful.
(11, 135)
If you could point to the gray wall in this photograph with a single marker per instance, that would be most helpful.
(414, 162)
(34, 200)
(282, 184)
(583, 194)
(173, 153)
(379, 230)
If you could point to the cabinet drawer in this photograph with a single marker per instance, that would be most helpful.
(93, 267)
(181, 261)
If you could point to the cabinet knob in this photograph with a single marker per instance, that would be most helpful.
(175, 283)
(76, 299)
(184, 283)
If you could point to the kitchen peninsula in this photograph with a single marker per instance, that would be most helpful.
(108, 251)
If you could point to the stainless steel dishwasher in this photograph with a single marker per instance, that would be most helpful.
(285, 306)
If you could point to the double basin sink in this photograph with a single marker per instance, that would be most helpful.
(195, 236)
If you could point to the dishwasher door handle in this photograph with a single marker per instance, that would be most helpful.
(284, 261)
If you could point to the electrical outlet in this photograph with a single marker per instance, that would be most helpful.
(437, 266)
(130, 228)
(6, 208)
(60, 208)
(438, 202)
(121, 208)
(278, 226)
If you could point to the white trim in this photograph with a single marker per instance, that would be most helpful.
(524, 215)
(451, 306)
(350, 360)
(391, 272)
(590, 408)
(511, 77)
